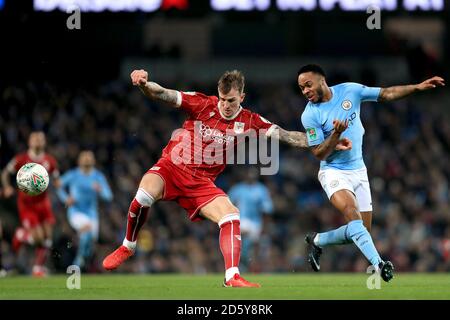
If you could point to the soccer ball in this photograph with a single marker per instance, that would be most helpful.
(32, 178)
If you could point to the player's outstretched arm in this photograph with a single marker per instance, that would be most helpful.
(153, 90)
(398, 92)
(333, 142)
(293, 138)
(299, 140)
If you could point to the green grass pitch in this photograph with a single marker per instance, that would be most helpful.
(208, 287)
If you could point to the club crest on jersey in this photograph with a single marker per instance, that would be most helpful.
(334, 183)
(346, 105)
(239, 127)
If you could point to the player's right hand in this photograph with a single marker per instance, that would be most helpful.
(340, 126)
(70, 201)
(344, 144)
(8, 191)
(139, 77)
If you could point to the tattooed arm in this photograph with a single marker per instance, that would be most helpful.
(398, 92)
(153, 90)
(299, 140)
(293, 138)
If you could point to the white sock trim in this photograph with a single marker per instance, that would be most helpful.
(316, 240)
(48, 243)
(144, 198)
(228, 217)
(129, 244)
(230, 272)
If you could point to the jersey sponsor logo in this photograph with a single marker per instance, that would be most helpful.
(346, 105)
(214, 134)
(239, 127)
(312, 134)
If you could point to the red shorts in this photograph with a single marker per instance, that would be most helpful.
(35, 214)
(190, 192)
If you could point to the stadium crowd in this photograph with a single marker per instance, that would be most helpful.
(407, 147)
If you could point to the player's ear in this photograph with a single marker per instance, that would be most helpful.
(242, 96)
(322, 80)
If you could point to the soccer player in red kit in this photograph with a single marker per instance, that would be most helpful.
(189, 180)
(35, 212)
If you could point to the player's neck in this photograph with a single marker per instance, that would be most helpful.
(86, 170)
(35, 154)
(230, 117)
(328, 94)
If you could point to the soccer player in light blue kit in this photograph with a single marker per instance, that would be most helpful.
(343, 174)
(85, 185)
(253, 201)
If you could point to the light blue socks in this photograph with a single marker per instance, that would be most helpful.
(336, 236)
(353, 231)
(84, 248)
(361, 237)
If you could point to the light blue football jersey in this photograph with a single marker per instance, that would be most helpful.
(81, 188)
(253, 200)
(317, 119)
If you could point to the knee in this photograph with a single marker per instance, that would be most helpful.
(351, 213)
(229, 209)
(235, 210)
(38, 241)
(152, 185)
(86, 228)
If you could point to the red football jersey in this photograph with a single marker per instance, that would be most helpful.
(202, 144)
(46, 160)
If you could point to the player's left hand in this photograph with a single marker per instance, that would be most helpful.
(139, 77)
(96, 187)
(431, 83)
(344, 144)
(340, 126)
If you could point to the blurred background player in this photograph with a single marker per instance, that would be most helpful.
(180, 177)
(254, 203)
(85, 184)
(35, 212)
(343, 174)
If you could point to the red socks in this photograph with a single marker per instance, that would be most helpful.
(137, 215)
(230, 243)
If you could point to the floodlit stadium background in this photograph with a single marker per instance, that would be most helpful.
(74, 84)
